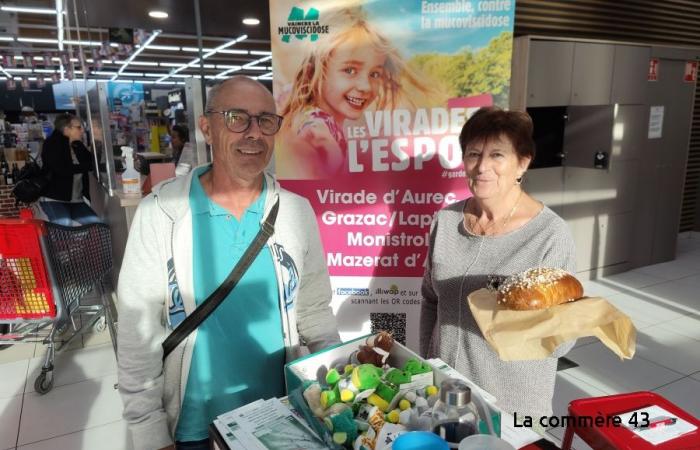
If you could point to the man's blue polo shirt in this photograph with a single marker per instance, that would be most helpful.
(239, 351)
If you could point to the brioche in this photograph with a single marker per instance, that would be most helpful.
(539, 288)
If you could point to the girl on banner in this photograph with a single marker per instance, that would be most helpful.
(340, 77)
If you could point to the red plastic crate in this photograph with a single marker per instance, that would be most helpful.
(621, 438)
(25, 291)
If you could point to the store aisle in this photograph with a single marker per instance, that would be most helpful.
(83, 410)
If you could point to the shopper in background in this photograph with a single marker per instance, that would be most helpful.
(184, 240)
(499, 231)
(183, 152)
(66, 163)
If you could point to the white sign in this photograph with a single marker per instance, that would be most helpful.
(656, 122)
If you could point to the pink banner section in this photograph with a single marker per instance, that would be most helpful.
(375, 213)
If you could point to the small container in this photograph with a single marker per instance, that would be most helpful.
(419, 440)
(454, 416)
(484, 442)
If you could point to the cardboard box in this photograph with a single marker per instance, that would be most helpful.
(315, 367)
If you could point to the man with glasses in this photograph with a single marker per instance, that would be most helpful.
(184, 240)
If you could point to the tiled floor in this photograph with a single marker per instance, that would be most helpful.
(83, 410)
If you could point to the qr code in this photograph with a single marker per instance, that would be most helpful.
(394, 323)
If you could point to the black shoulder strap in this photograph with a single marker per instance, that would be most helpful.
(207, 307)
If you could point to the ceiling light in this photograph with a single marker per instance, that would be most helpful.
(234, 52)
(158, 14)
(7, 38)
(168, 48)
(37, 40)
(21, 9)
(251, 21)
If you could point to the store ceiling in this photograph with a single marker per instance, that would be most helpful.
(176, 45)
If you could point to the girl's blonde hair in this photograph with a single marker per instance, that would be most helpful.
(350, 25)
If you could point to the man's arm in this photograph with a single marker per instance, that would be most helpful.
(142, 294)
(315, 320)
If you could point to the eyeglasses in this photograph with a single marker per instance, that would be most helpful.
(239, 121)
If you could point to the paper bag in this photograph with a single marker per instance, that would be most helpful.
(527, 335)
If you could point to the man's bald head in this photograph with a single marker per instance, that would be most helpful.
(231, 86)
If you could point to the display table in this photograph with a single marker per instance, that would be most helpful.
(308, 368)
(520, 438)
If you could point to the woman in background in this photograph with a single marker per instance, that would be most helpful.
(66, 163)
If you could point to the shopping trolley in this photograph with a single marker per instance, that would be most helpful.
(46, 270)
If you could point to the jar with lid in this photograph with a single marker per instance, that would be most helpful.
(454, 416)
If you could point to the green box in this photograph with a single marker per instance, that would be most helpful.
(313, 366)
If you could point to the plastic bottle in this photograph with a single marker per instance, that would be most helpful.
(454, 416)
(131, 179)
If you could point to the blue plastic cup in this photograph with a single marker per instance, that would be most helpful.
(419, 440)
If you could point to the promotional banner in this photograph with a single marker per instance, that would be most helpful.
(374, 95)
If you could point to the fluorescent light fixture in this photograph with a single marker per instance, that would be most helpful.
(144, 63)
(44, 71)
(260, 53)
(130, 74)
(107, 61)
(266, 76)
(18, 58)
(7, 38)
(158, 14)
(169, 64)
(86, 43)
(234, 52)
(253, 65)
(56, 59)
(74, 60)
(90, 60)
(133, 56)
(167, 48)
(226, 72)
(153, 75)
(5, 72)
(251, 21)
(104, 73)
(210, 66)
(112, 44)
(19, 70)
(209, 53)
(38, 58)
(28, 10)
(37, 40)
(195, 49)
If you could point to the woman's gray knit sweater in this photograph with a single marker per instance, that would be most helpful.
(460, 263)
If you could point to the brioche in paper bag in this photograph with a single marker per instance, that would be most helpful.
(534, 334)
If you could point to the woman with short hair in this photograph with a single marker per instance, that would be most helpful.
(499, 231)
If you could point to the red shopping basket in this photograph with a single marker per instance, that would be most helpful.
(25, 290)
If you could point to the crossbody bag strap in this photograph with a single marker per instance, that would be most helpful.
(208, 306)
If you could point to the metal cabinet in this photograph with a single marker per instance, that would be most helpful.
(592, 74)
(549, 73)
(629, 83)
